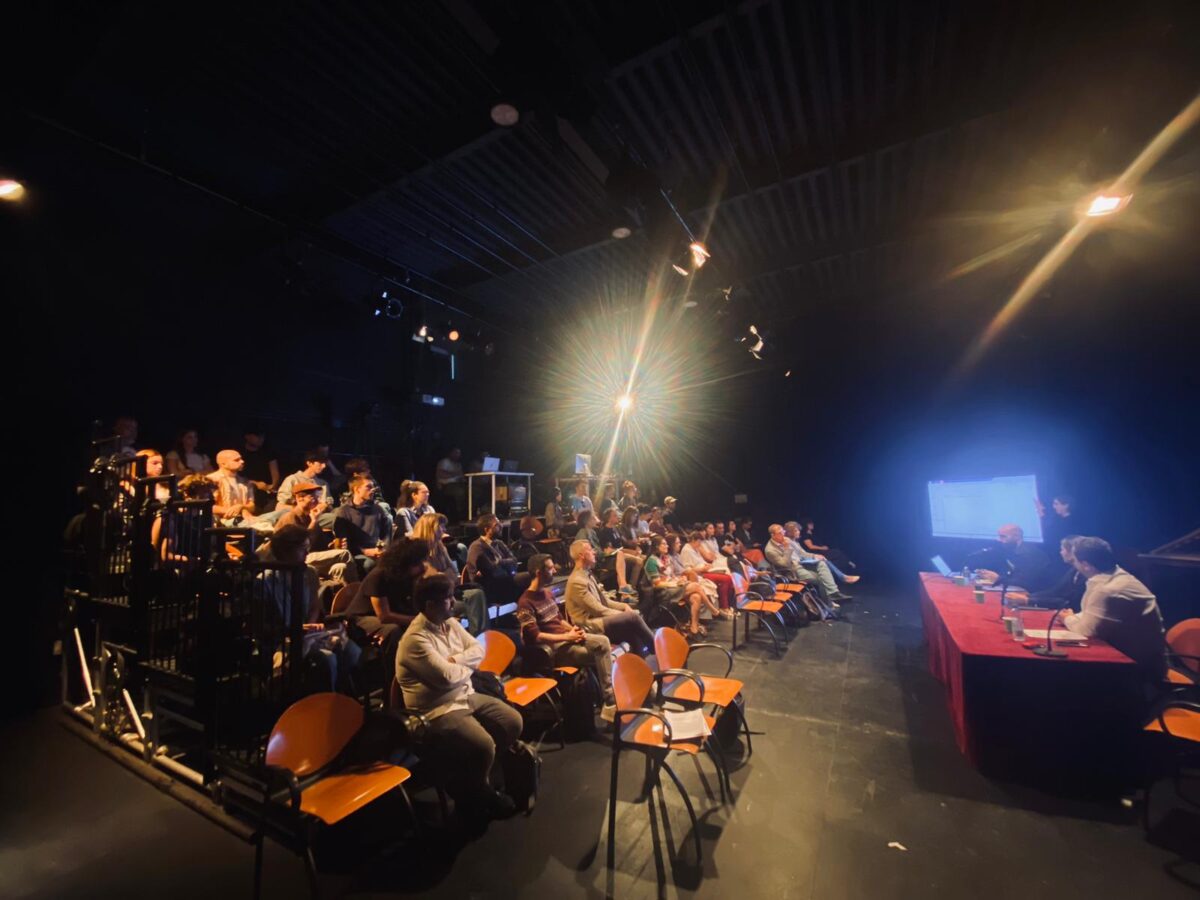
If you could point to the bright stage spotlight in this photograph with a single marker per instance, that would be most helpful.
(680, 269)
(11, 190)
(624, 403)
(1106, 205)
(700, 254)
(453, 334)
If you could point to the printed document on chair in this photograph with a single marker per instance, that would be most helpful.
(687, 726)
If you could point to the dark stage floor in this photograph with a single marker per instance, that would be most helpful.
(857, 753)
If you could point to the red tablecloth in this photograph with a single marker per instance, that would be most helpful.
(1011, 708)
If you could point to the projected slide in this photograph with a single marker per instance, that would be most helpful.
(975, 509)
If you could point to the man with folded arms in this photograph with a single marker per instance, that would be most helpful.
(465, 730)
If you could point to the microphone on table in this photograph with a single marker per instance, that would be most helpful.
(1047, 649)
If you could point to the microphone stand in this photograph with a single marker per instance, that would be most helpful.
(1047, 649)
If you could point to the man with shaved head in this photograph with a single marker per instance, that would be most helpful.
(1025, 565)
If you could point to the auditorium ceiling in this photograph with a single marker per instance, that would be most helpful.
(834, 153)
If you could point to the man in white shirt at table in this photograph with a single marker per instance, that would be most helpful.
(1116, 607)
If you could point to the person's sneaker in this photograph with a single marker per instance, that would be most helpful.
(608, 712)
(840, 597)
(627, 591)
(499, 805)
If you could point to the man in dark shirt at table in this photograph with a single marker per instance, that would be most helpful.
(1025, 565)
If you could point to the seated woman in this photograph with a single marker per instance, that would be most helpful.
(700, 559)
(835, 557)
(384, 605)
(469, 602)
(622, 566)
(185, 459)
(675, 589)
(679, 570)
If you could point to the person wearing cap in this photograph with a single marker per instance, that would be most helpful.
(542, 624)
(670, 518)
(304, 513)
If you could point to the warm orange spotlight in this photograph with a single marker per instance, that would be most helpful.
(700, 254)
(11, 190)
(453, 335)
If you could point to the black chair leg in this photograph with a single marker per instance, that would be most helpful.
(687, 801)
(612, 809)
(258, 864)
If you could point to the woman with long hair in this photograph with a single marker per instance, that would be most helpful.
(414, 503)
(676, 589)
(470, 602)
(185, 459)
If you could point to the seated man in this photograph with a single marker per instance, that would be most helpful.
(337, 654)
(362, 523)
(796, 536)
(542, 623)
(789, 560)
(1025, 565)
(670, 517)
(492, 563)
(591, 610)
(330, 563)
(314, 465)
(465, 729)
(384, 606)
(234, 501)
(744, 535)
(1117, 608)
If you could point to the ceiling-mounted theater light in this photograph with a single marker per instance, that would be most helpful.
(388, 306)
(700, 254)
(505, 115)
(755, 341)
(621, 232)
(680, 269)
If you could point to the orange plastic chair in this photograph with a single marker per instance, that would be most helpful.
(647, 730)
(752, 604)
(1179, 719)
(520, 691)
(672, 651)
(1183, 639)
(344, 597)
(304, 745)
(754, 557)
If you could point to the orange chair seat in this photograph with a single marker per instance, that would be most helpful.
(648, 731)
(567, 670)
(720, 691)
(333, 798)
(767, 606)
(1181, 723)
(523, 691)
(1176, 677)
(793, 588)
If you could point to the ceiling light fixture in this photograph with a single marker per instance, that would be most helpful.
(621, 232)
(505, 114)
(700, 254)
(453, 334)
(624, 403)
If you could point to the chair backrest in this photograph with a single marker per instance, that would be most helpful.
(1184, 639)
(498, 652)
(754, 556)
(313, 731)
(344, 597)
(632, 680)
(670, 648)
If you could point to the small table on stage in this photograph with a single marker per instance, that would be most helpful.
(1013, 710)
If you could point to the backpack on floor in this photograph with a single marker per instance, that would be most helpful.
(522, 769)
(579, 707)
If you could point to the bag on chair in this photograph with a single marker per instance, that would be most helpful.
(522, 769)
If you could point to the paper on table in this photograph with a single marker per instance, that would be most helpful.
(1058, 634)
(686, 726)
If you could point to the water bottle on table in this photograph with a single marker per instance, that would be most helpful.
(1018, 626)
